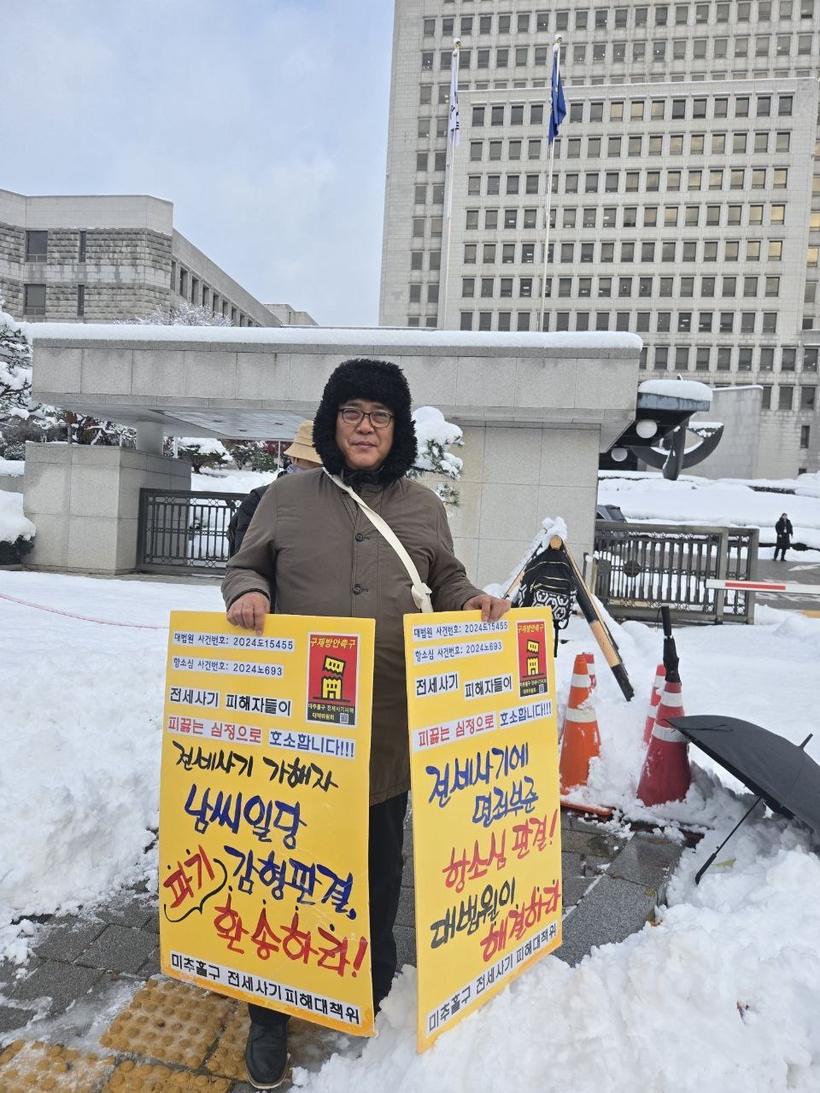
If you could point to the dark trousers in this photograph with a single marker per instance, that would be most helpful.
(384, 868)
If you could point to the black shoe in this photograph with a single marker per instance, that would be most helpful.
(266, 1055)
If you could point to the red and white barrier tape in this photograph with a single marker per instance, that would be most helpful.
(83, 618)
(765, 586)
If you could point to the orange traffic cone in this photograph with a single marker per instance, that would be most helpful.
(654, 701)
(666, 775)
(580, 741)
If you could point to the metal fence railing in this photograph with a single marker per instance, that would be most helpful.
(639, 567)
(184, 532)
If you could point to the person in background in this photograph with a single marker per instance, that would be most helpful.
(784, 530)
(302, 457)
(312, 551)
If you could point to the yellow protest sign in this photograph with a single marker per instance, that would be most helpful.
(486, 813)
(264, 813)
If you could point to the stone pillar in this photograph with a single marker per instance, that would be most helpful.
(84, 502)
(150, 437)
(512, 479)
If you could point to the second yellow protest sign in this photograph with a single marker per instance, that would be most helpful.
(264, 813)
(486, 814)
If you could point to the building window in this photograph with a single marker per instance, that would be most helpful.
(80, 301)
(36, 246)
(82, 248)
(724, 359)
(785, 399)
(466, 322)
(744, 360)
(34, 300)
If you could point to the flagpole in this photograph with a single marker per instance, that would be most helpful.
(453, 139)
(554, 84)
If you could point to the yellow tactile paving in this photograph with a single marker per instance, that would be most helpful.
(170, 1021)
(130, 1077)
(49, 1068)
(309, 1045)
(229, 1057)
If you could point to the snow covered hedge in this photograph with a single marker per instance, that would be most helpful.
(16, 531)
(435, 435)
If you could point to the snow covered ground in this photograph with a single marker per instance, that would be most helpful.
(722, 994)
(647, 496)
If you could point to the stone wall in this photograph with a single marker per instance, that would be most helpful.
(126, 272)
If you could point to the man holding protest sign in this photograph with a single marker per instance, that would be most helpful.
(313, 549)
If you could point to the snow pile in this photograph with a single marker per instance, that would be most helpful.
(80, 737)
(12, 467)
(721, 994)
(13, 524)
(692, 500)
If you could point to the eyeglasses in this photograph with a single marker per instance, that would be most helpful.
(352, 415)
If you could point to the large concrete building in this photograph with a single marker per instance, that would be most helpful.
(96, 259)
(685, 201)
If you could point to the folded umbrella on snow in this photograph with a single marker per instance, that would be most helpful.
(778, 771)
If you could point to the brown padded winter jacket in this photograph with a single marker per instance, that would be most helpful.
(312, 551)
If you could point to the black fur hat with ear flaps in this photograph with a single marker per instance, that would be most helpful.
(378, 381)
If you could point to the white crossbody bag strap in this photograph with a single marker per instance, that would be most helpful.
(421, 593)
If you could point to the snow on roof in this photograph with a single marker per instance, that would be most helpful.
(682, 389)
(382, 337)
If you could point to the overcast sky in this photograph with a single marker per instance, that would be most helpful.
(264, 121)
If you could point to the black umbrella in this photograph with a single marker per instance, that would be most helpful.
(671, 661)
(779, 772)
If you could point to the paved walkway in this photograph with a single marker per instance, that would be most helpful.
(90, 1011)
(799, 568)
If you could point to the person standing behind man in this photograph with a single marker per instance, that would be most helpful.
(311, 550)
(302, 456)
(784, 530)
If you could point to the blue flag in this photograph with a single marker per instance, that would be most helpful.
(558, 106)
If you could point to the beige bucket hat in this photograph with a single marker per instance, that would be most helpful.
(302, 446)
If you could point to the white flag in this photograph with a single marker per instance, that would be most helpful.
(453, 127)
